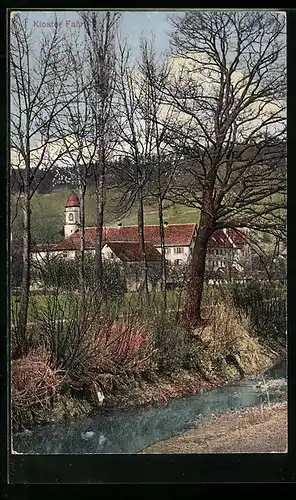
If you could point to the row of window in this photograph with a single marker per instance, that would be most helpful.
(217, 251)
(175, 249)
(212, 251)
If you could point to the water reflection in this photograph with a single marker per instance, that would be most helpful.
(128, 431)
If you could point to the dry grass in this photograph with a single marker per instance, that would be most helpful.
(162, 390)
(227, 331)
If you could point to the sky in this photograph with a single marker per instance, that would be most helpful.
(133, 25)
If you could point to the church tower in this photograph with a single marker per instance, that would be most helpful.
(72, 215)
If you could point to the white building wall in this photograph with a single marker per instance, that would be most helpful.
(223, 258)
(173, 254)
(43, 256)
(108, 254)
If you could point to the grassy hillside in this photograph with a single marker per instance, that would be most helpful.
(48, 214)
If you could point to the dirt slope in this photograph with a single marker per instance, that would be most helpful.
(253, 430)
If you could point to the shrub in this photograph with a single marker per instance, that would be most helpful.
(265, 304)
(34, 382)
(124, 347)
(57, 273)
(114, 284)
(64, 274)
(64, 323)
(177, 275)
(170, 340)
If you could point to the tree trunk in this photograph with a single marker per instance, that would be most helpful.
(82, 243)
(100, 223)
(162, 245)
(192, 311)
(141, 228)
(25, 293)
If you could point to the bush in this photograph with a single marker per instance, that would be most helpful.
(123, 347)
(63, 274)
(177, 275)
(34, 383)
(114, 284)
(63, 323)
(170, 339)
(265, 304)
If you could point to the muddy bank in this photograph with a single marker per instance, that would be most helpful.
(253, 430)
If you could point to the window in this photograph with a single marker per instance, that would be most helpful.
(71, 217)
(167, 250)
(65, 255)
(178, 261)
(179, 250)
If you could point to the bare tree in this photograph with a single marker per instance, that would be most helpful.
(101, 29)
(79, 124)
(164, 159)
(228, 81)
(135, 145)
(39, 93)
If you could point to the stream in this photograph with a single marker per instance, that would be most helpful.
(131, 430)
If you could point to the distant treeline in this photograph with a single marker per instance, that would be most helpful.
(61, 177)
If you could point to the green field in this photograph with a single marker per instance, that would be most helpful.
(50, 305)
(40, 304)
(48, 214)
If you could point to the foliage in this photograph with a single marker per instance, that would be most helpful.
(170, 338)
(123, 346)
(177, 275)
(265, 304)
(63, 274)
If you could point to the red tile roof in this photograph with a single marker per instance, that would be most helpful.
(175, 235)
(231, 238)
(73, 200)
(43, 247)
(131, 251)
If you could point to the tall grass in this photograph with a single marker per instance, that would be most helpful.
(264, 304)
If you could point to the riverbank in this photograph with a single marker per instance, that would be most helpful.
(131, 391)
(252, 430)
(212, 357)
